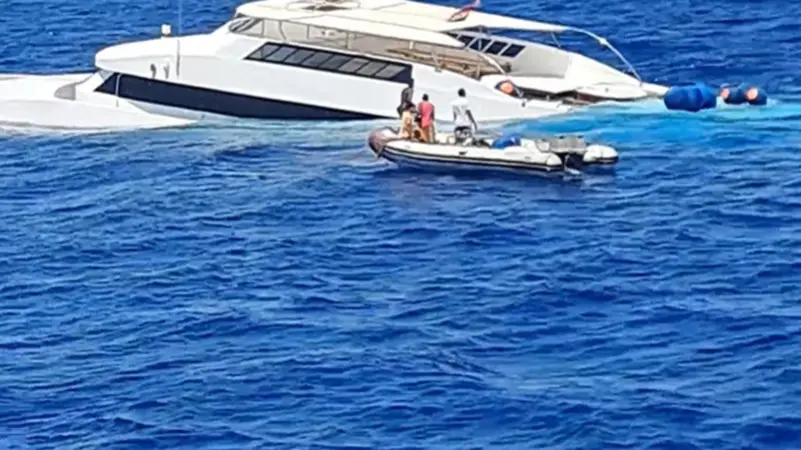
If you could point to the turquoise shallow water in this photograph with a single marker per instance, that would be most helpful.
(272, 285)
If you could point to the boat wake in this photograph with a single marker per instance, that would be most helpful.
(652, 113)
(666, 139)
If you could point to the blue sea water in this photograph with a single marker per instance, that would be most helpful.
(273, 286)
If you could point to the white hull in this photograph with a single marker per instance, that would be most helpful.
(53, 102)
(284, 62)
(72, 102)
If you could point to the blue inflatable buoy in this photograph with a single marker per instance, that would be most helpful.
(733, 95)
(744, 93)
(690, 97)
(506, 141)
(756, 96)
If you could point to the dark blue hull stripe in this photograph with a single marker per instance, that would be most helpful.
(219, 102)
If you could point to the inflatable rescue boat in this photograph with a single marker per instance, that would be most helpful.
(550, 155)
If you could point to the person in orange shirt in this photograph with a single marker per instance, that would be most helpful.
(426, 111)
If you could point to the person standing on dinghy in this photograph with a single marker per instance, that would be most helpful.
(407, 128)
(406, 97)
(464, 123)
(426, 111)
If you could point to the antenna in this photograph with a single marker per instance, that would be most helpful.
(178, 40)
(180, 16)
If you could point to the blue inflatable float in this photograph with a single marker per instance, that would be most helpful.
(733, 95)
(694, 97)
(743, 93)
(690, 97)
(756, 96)
(509, 140)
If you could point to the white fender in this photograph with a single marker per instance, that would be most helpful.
(598, 152)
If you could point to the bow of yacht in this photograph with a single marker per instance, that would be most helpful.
(326, 60)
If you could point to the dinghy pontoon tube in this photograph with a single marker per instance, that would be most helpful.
(545, 155)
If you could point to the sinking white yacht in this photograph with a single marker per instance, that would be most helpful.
(326, 60)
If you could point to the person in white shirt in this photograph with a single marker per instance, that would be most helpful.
(462, 118)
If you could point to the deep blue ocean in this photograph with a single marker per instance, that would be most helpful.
(274, 286)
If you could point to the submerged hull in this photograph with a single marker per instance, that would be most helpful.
(209, 88)
(56, 102)
(86, 102)
(89, 101)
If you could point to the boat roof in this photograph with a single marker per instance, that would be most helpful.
(383, 30)
(392, 18)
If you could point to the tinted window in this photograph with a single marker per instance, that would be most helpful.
(334, 62)
(465, 39)
(512, 51)
(389, 71)
(479, 44)
(316, 59)
(280, 54)
(331, 61)
(352, 66)
(298, 56)
(370, 69)
(243, 25)
(495, 47)
(264, 51)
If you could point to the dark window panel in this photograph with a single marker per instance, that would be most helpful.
(495, 47)
(280, 54)
(371, 68)
(512, 51)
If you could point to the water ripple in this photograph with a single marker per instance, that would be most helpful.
(272, 285)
